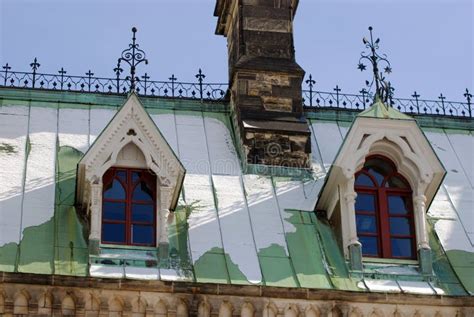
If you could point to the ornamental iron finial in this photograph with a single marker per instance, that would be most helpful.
(468, 96)
(383, 89)
(133, 56)
(34, 67)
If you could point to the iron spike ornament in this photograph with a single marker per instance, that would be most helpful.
(133, 56)
(383, 88)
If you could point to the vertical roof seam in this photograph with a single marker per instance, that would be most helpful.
(251, 227)
(23, 183)
(56, 178)
(457, 158)
(295, 276)
(313, 135)
(213, 188)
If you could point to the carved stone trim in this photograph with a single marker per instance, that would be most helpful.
(131, 124)
(401, 141)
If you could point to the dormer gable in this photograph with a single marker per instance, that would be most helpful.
(130, 140)
(381, 131)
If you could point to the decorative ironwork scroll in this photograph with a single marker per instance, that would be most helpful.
(133, 56)
(383, 88)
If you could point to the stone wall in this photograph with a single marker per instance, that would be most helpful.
(75, 296)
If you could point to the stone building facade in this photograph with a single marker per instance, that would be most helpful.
(119, 204)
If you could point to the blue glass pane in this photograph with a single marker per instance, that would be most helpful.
(135, 177)
(366, 224)
(114, 190)
(400, 226)
(142, 213)
(402, 248)
(365, 202)
(142, 234)
(142, 192)
(113, 233)
(122, 175)
(114, 211)
(378, 177)
(369, 246)
(364, 180)
(397, 205)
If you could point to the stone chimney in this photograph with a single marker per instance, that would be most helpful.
(265, 80)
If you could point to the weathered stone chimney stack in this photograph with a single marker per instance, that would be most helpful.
(265, 80)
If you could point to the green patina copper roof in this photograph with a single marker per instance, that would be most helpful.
(380, 110)
(231, 226)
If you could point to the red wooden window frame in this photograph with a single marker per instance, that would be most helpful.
(129, 185)
(382, 213)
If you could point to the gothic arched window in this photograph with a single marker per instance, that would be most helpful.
(129, 207)
(384, 211)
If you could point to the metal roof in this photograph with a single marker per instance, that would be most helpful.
(230, 227)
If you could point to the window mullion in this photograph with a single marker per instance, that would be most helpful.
(128, 227)
(384, 223)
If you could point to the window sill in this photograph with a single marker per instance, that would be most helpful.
(389, 261)
(120, 254)
(126, 247)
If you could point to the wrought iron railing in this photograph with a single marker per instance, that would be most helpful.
(90, 83)
(415, 105)
(200, 90)
(134, 56)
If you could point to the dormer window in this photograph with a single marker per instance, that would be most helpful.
(384, 211)
(378, 188)
(129, 207)
(128, 182)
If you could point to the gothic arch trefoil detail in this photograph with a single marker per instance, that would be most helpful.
(130, 140)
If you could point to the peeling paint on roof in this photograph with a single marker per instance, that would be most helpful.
(229, 227)
(38, 200)
(13, 134)
(264, 216)
(204, 229)
(233, 213)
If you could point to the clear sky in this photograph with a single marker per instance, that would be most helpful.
(428, 42)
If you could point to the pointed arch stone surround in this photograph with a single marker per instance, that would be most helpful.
(403, 142)
(131, 124)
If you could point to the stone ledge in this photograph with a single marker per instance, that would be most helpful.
(252, 291)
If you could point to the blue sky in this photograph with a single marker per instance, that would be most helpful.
(428, 42)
